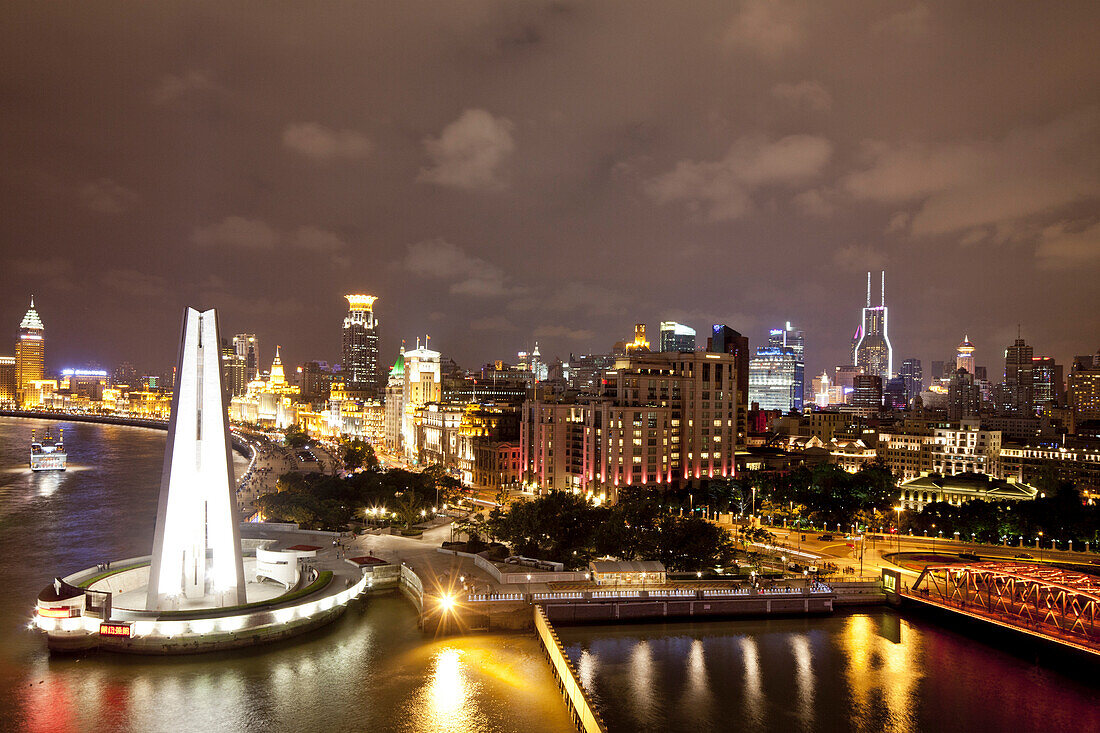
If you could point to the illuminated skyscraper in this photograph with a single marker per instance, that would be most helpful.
(777, 372)
(7, 380)
(30, 351)
(964, 356)
(913, 375)
(873, 352)
(361, 345)
(1019, 382)
(247, 347)
(677, 337)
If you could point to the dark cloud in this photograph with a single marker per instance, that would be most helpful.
(494, 170)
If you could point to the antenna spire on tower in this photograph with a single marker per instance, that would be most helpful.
(868, 288)
(884, 288)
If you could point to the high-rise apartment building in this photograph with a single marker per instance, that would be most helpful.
(1083, 388)
(1019, 378)
(964, 397)
(913, 377)
(247, 348)
(676, 337)
(873, 352)
(30, 351)
(361, 345)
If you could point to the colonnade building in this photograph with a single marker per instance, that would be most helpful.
(659, 420)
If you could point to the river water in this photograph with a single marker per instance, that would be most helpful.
(374, 670)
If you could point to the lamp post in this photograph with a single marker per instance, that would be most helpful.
(898, 510)
(933, 540)
(1039, 541)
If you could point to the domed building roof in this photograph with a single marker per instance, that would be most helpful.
(966, 343)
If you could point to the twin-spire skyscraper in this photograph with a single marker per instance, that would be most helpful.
(873, 352)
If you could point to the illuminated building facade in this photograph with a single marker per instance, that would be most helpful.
(776, 378)
(964, 396)
(270, 402)
(30, 352)
(394, 404)
(8, 391)
(234, 370)
(966, 449)
(196, 546)
(676, 337)
(86, 383)
(247, 348)
(873, 352)
(913, 376)
(1083, 388)
(423, 384)
(662, 420)
(964, 356)
(867, 391)
(360, 352)
(1019, 391)
(1048, 381)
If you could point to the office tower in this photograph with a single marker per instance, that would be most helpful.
(937, 372)
(1019, 377)
(981, 374)
(964, 398)
(895, 395)
(197, 545)
(1083, 388)
(873, 353)
(867, 392)
(247, 348)
(394, 406)
(30, 351)
(361, 345)
(788, 338)
(676, 337)
(1047, 382)
(234, 371)
(7, 381)
(964, 356)
(914, 378)
(777, 378)
(725, 340)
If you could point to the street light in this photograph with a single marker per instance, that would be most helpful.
(898, 510)
(933, 540)
(1040, 541)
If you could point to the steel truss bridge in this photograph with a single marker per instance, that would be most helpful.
(1054, 604)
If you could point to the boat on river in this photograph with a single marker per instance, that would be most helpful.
(48, 454)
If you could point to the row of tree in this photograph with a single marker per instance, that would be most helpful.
(567, 528)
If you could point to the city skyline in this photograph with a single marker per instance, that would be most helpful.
(748, 168)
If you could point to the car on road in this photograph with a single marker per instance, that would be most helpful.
(1023, 556)
(826, 538)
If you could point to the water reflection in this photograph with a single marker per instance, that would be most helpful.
(804, 679)
(882, 675)
(697, 691)
(586, 670)
(642, 686)
(754, 688)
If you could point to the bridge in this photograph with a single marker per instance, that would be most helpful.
(1049, 603)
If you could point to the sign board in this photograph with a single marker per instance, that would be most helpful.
(116, 628)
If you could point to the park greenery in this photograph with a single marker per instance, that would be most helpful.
(568, 528)
(321, 501)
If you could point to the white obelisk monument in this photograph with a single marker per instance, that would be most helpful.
(197, 545)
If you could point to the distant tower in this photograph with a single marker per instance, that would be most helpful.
(964, 357)
(1019, 377)
(361, 345)
(277, 376)
(247, 347)
(30, 350)
(873, 352)
(676, 337)
(197, 544)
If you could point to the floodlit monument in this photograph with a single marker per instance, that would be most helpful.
(197, 544)
(208, 584)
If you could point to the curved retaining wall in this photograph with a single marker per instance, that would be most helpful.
(584, 714)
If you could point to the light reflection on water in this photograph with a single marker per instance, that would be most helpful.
(861, 671)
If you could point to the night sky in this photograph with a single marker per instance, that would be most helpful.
(501, 172)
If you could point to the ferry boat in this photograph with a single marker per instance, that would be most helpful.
(48, 454)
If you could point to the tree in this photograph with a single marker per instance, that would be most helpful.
(358, 453)
(296, 437)
(409, 508)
